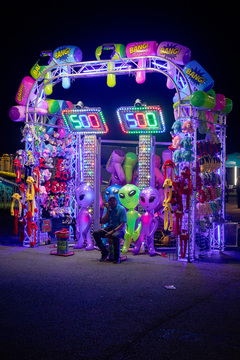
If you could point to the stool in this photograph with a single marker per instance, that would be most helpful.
(111, 251)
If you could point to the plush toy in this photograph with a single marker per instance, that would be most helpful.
(84, 197)
(177, 127)
(176, 142)
(186, 143)
(18, 166)
(129, 198)
(149, 199)
(187, 127)
(187, 156)
(177, 156)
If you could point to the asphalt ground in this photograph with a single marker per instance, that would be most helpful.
(55, 307)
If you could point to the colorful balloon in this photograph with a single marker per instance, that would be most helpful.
(129, 198)
(24, 90)
(203, 100)
(149, 199)
(117, 50)
(129, 164)
(114, 166)
(67, 54)
(177, 53)
(143, 48)
(113, 190)
(84, 197)
(198, 76)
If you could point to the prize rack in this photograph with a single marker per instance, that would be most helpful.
(184, 110)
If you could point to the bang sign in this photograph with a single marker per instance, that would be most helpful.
(140, 120)
(85, 121)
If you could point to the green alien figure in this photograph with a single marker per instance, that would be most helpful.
(129, 198)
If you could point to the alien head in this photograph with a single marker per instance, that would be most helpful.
(113, 190)
(129, 196)
(84, 195)
(149, 198)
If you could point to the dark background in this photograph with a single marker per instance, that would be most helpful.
(210, 31)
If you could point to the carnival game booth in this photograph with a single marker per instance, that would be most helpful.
(61, 142)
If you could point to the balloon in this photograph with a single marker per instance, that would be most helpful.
(24, 90)
(143, 48)
(84, 197)
(114, 166)
(177, 53)
(113, 190)
(129, 164)
(201, 99)
(198, 76)
(149, 199)
(129, 198)
(117, 50)
(67, 54)
(159, 178)
(53, 106)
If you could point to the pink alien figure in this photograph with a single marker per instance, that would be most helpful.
(84, 197)
(149, 199)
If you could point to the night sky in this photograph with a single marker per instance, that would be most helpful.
(211, 34)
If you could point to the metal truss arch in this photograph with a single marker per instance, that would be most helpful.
(125, 66)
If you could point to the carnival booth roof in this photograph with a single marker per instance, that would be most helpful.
(233, 160)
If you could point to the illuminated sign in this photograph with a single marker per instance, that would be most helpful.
(135, 120)
(85, 121)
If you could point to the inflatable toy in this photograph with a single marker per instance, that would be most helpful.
(129, 198)
(128, 165)
(177, 53)
(114, 166)
(198, 76)
(220, 102)
(18, 113)
(113, 190)
(228, 106)
(143, 48)
(48, 89)
(24, 90)
(67, 54)
(53, 106)
(159, 178)
(203, 100)
(84, 197)
(117, 51)
(149, 199)
(18, 166)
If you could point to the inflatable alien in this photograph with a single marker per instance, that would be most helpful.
(129, 198)
(149, 199)
(114, 166)
(113, 190)
(84, 196)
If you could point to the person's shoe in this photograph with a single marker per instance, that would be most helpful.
(116, 261)
(104, 255)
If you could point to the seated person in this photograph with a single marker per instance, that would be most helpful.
(116, 217)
